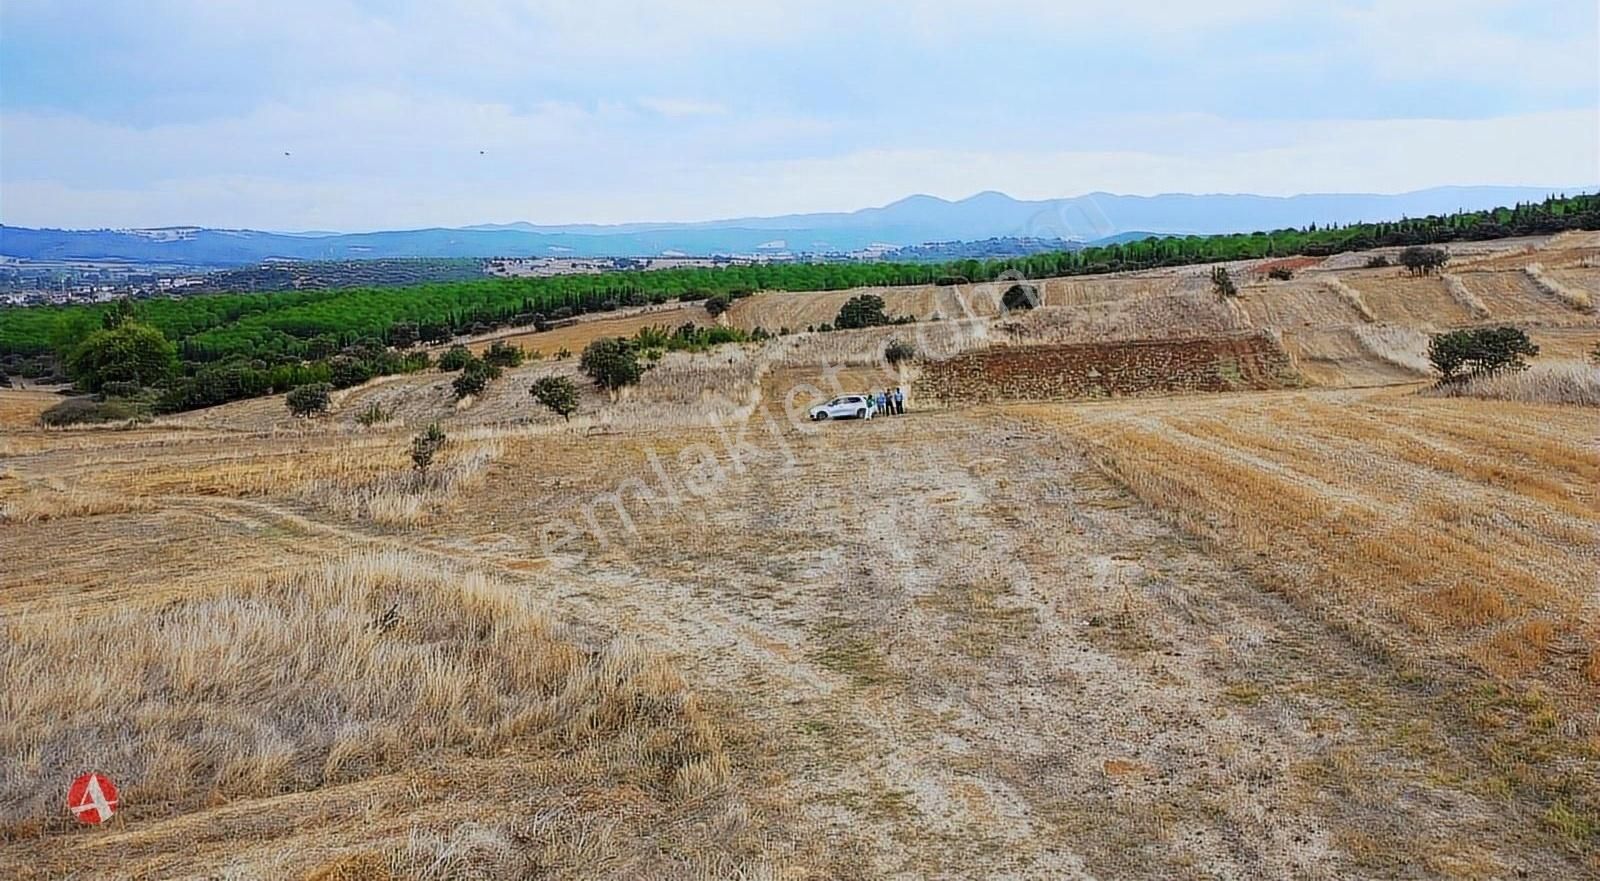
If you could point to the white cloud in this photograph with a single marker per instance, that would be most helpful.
(416, 113)
(679, 107)
(564, 165)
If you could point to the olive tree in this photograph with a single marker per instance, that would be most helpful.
(558, 393)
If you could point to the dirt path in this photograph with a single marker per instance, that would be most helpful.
(971, 655)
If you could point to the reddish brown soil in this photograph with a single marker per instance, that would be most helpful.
(1099, 370)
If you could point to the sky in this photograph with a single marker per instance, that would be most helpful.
(359, 114)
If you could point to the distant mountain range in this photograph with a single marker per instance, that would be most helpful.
(912, 221)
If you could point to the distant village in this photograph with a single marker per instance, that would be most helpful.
(25, 282)
(41, 283)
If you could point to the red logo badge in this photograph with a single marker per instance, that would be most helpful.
(92, 798)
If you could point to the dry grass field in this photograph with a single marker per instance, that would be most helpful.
(575, 336)
(1345, 629)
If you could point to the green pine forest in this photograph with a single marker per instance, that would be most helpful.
(299, 328)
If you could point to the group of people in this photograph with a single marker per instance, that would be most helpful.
(891, 402)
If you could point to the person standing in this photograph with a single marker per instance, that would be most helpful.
(883, 401)
(899, 401)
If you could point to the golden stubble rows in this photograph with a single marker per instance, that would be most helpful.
(1452, 529)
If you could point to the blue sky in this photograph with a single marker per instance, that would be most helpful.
(166, 112)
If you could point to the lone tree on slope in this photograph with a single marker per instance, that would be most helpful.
(558, 393)
(1462, 354)
(1419, 260)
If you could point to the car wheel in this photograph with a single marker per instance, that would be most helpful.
(861, 414)
(820, 417)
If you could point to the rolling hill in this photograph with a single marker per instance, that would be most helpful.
(1097, 217)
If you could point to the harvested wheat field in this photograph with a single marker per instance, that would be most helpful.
(1157, 588)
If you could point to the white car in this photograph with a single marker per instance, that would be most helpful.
(845, 407)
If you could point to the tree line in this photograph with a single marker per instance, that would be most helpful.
(245, 344)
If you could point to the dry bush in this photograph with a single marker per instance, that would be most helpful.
(324, 676)
(1577, 298)
(1463, 295)
(1404, 347)
(398, 495)
(272, 465)
(691, 388)
(364, 478)
(1567, 382)
(1350, 295)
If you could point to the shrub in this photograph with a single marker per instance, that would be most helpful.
(1377, 262)
(455, 358)
(346, 371)
(717, 305)
(88, 411)
(651, 341)
(898, 351)
(374, 415)
(474, 378)
(129, 352)
(558, 393)
(1595, 355)
(1222, 282)
(1020, 297)
(863, 311)
(365, 349)
(503, 354)
(612, 362)
(1478, 351)
(229, 381)
(1419, 260)
(425, 446)
(309, 400)
(1280, 273)
(563, 353)
(654, 337)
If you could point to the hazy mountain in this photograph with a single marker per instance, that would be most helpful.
(911, 221)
